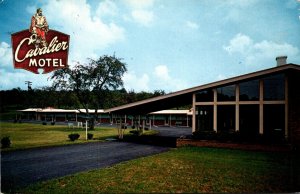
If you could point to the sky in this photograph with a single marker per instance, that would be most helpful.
(167, 45)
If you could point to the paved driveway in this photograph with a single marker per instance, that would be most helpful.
(173, 131)
(21, 168)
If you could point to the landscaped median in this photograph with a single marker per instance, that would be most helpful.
(25, 135)
(187, 170)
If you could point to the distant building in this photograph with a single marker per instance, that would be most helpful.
(159, 118)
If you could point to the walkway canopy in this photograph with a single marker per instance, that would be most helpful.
(164, 102)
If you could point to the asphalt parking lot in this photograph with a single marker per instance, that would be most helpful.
(21, 168)
(173, 131)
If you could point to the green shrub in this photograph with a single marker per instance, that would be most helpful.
(44, 123)
(5, 142)
(90, 136)
(74, 136)
(134, 132)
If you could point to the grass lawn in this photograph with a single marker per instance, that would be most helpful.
(187, 169)
(24, 135)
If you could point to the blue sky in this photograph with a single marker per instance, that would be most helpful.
(166, 44)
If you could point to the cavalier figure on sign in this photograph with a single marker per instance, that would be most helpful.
(39, 28)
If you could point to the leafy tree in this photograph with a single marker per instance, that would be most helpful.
(91, 82)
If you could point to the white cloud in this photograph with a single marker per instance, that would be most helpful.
(143, 17)
(240, 43)
(159, 79)
(192, 25)
(135, 82)
(75, 19)
(265, 50)
(234, 10)
(163, 80)
(240, 3)
(5, 54)
(107, 7)
(141, 12)
(11, 78)
(140, 4)
(18, 78)
(269, 48)
(162, 72)
(260, 53)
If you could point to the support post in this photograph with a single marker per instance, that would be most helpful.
(215, 110)
(187, 120)
(86, 136)
(261, 107)
(194, 114)
(237, 107)
(153, 120)
(143, 126)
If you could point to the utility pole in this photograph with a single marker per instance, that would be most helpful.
(29, 83)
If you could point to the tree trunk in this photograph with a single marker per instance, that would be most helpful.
(92, 123)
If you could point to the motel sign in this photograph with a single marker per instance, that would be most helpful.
(49, 57)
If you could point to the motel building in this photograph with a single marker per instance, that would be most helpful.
(262, 103)
(179, 118)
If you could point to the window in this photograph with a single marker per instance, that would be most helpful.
(249, 90)
(204, 118)
(226, 93)
(226, 118)
(205, 96)
(249, 121)
(274, 87)
(274, 121)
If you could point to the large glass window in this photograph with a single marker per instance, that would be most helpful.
(249, 121)
(205, 96)
(226, 118)
(274, 87)
(226, 93)
(204, 118)
(249, 90)
(274, 121)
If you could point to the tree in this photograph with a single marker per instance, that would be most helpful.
(91, 82)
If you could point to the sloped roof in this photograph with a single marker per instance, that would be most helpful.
(30, 110)
(90, 111)
(55, 110)
(163, 112)
(184, 97)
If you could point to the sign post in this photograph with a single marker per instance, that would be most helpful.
(86, 137)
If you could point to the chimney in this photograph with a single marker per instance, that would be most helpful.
(281, 60)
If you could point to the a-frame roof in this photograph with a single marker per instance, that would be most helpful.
(184, 97)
